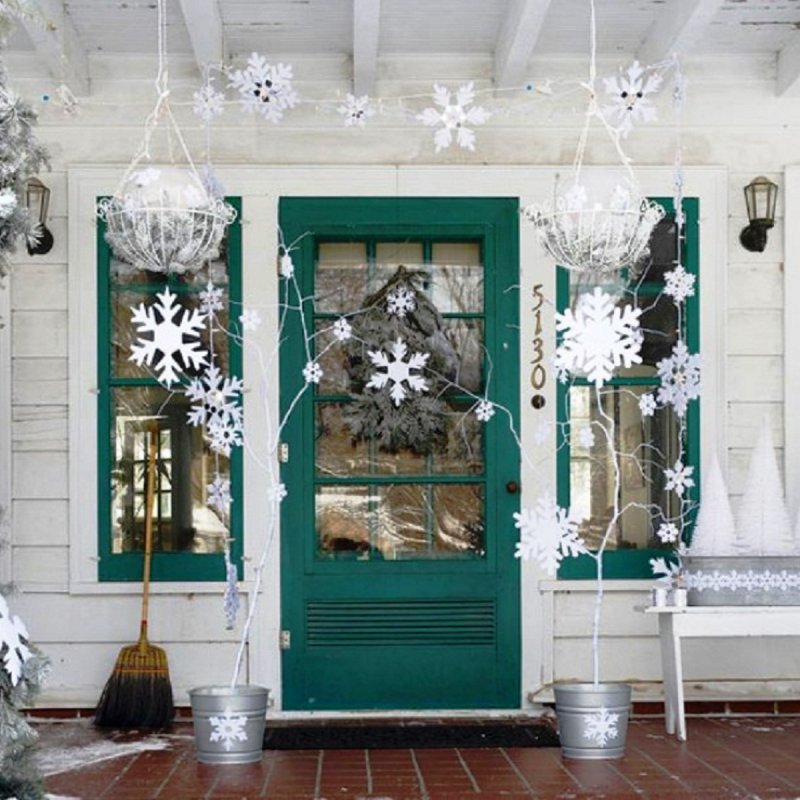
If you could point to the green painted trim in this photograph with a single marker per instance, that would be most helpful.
(165, 566)
(636, 563)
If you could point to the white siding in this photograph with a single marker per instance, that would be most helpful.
(732, 122)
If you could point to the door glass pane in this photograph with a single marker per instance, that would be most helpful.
(390, 255)
(182, 520)
(340, 281)
(338, 454)
(457, 277)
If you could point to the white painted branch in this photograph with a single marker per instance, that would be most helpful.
(517, 40)
(366, 30)
(204, 23)
(677, 29)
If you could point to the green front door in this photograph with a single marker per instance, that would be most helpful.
(400, 589)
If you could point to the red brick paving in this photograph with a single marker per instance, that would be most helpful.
(724, 759)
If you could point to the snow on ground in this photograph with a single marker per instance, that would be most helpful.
(54, 760)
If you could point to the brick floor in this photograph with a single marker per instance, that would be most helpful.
(724, 758)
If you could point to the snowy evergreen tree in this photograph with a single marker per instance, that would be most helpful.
(763, 526)
(714, 531)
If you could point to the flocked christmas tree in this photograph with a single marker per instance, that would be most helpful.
(763, 526)
(22, 669)
(714, 531)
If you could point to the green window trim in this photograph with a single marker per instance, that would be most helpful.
(165, 566)
(632, 564)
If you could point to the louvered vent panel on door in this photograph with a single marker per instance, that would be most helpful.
(399, 622)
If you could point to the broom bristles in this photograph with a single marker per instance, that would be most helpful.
(139, 693)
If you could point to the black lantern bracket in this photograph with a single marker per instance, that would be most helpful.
(760, 195)
(39, 240)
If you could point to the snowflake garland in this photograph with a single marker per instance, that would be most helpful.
(548, 533)
(601, 727)
(680, 378)
(484, 410)
(598, 337)
(679, 284)
(454, 115)
(679, 478)
(208, 103)
(217, 405)
(342, 330)
(13, 643)
(176, 334)
(647, 405)
(265, 88)
(211, 299)
(398, 371)
(356, 110)
(228, 729)
(312, 372)
(219, 494)
(400, 301)
(286, 266)
(250, 319)
(629, 96)
(668, 532)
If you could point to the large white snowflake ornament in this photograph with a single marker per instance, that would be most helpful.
(679, 284)
(601, 727)
(13, 643)
(208, 103)
(679, 478)
(548, 533)
(398, 371)
(680, 378)
(228, 729)
(598, 337)
(356, 110)
(454, 115)
(629, 95)
(265, 88)
(175, 343)
(216, 398)
(400, 301)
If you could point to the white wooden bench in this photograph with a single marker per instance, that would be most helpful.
(676, 623)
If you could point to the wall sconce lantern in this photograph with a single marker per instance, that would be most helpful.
(39, 240)
(760, 195)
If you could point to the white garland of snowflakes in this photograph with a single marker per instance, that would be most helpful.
(598, 337)
(219, 494)
(265, 88)
(679, 478)
(601, 727)
(216, 404)
(484, 410)
(629, 94)
(680, 378)
(454, 116)
(228, 729)
(398, 371)
(679, 284)
(548, 533)
(356, 110)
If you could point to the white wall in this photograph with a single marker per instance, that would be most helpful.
(734, 129)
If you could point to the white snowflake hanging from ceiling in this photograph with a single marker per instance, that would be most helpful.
(400, 301)
(398, 371)
(219, 494)
(265, 88)
(679, 284)
(228, 729)
(598, 337)
(216, 403)
(356, 110)
(454, 115)
(629, 94)
(175, 345)
(211, 299)
(208, 103)
(601, 727)
(548, 533)
(680, 378)
(13, 647)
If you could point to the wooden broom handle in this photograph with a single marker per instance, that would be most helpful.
(150, 491)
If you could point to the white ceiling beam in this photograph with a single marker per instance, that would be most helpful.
(204, 23)
(517, 39)
(788, 78)
(677, 28)
(366, 30)
(57, 43)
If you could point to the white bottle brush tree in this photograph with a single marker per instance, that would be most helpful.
(714, 531)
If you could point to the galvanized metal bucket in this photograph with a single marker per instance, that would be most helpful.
(593, 719)
(229, 723)
(742, 580)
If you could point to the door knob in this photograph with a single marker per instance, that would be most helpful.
(512, 487)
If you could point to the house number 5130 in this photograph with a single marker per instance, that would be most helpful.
(538, 372)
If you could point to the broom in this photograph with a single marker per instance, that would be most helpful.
(138, 693)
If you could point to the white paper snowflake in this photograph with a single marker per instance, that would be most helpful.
(312, 372)
(668, 532)
(679, 284)
(219, 494)
(13, 639)
(484, 410)
(278, 493)
(356, 110)
(250, 319)
(265, 88)
(287, 266)
(398, 371)
(598, 337)
(400, 301)
(680, 378)
(176, 333)
(586, 438)
(647, 405)
(629, 95)
(548, 533)
(208, 103)
(601, 727)
(342, 329)
(211, 299)
(215, 396)
(223, 437)
(679, 478)
(454, 115)
(228, 729)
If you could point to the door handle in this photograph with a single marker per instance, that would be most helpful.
(512, 487)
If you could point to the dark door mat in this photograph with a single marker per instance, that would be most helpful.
(378, 737)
